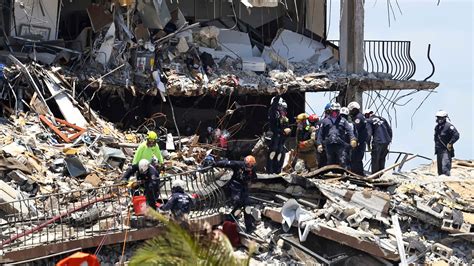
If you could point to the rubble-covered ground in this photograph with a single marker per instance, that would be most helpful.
(429, 215)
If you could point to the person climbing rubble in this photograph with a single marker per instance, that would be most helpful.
(360, 130)
(445, 135)
(278, 121)
(243, 172)
(305, 140)
(379, 137)
(331, 136)
(149, 150)
(179, 203)
(146, 177)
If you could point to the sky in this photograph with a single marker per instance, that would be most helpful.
(448, 28)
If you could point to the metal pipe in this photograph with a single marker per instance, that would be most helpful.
(379, 173)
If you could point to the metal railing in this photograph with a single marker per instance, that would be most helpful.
(401, 157)
(62, 217)
(391, 57)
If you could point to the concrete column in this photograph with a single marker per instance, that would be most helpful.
(351, 46)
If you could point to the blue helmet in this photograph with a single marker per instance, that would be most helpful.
(327, 107)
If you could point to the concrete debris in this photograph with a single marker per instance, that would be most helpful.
(53, 142)
(360, 217)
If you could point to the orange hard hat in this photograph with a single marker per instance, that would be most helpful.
(250, 160)
(79, 258)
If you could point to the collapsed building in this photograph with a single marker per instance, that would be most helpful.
(83, 79)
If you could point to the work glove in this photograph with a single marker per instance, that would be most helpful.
(449, 146)
(354, 143)
(132, 184)
(320, 149)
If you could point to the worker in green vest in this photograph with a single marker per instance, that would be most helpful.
(149, 149)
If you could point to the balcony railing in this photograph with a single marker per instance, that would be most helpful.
(391, 57)
(81, 214)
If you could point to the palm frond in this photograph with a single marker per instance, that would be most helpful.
(176, 246)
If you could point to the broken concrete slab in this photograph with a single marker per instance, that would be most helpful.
(14, 149)
(235, 42)
(342, 237)
(295, 47)
(8, 200)
(256, 64)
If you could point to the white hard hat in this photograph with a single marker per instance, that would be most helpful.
(335, 106)
(344, 111)
(143, 165)
(281, 102)
(368, 111)
(353, 105)
(441, 113)
(178, 183)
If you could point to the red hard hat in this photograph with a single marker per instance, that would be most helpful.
(313, 118)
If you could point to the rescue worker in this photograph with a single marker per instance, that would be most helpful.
(243, 172)
(360, 130)
(148, 150)
(379, 137)
(179, 203)
(314, 122)
(327, 110)
(344, 113)
(321, 156)
(147, 177)
(331, 136)
(445, 135)
(278, 121)
(306, 149)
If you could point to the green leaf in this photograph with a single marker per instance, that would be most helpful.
(176, 246)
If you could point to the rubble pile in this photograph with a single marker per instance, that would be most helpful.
(161, 53)
(414, 217)
(35, 159)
